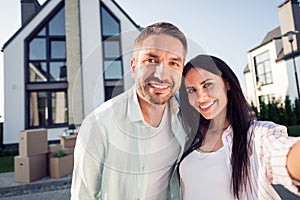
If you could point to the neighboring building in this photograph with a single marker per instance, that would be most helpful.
(270, 71)
(68, 57)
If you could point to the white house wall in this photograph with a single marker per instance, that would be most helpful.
(92, 65)
(14, 79)
(279, 73)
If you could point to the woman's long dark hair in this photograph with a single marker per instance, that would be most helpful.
(238, 115)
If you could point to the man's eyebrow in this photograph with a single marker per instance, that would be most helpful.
(151, 55)
(176, 59)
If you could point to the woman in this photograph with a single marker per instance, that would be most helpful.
(231, 155)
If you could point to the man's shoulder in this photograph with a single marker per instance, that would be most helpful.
(113, 104)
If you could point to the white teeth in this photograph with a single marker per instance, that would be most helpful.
(159, 86)
(207, 105)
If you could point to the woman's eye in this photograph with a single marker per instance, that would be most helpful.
(206, 85)
(190, 90)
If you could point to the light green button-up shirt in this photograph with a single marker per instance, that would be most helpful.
(111, 157)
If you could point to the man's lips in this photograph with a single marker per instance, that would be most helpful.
(159, 86)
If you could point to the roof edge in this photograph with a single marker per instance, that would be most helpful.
(23, 26)
(127, 16)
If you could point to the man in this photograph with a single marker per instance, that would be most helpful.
(129, 146)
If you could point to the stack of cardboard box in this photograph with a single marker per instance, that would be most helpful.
(31, 164)
(61, 166)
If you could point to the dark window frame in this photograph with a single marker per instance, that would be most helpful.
(48, 86)
(108, 82)
(265, 73)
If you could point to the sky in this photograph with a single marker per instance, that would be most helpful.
(226, 29)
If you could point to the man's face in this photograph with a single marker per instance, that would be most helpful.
(157, 66)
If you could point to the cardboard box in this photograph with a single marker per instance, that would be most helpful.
(53, 149)
(69, 150)
(68, 141)
(30, 168)
(62, 166)
(33, 142)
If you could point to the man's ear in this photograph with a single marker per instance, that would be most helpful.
(132, 66)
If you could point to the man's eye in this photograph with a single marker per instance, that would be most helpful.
(150, 61)
(174, 64)
(190, 90)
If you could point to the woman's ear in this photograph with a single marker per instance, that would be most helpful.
(227, 85)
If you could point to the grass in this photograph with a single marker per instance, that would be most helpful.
(294, 130)
(6, 164)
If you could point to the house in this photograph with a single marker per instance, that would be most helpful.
(68, 57)
(271, 68)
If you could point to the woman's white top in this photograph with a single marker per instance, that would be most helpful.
(269, 147)
(205, 176)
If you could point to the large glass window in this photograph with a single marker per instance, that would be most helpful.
(46, 80)
(263, 68)
(112, 60)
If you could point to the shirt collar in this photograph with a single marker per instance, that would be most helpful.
(134, 109)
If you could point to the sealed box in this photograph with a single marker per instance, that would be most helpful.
(68, 141)
(33, 142)
(30, 168)
(62, 166)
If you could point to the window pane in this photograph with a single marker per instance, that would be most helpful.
(57, 24)
(262, 57)
(111, 49)
(58, 49)
(38, 109)
(37, 49)
(37, 72)
(42, 32)
(269, 77)
(58, 71)
(59, 107)
(110, 25)
(111, 91)
(267, 66)
(112, 70)
(262, 79)
(260, 69)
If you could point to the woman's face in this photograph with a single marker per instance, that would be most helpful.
(207, 93)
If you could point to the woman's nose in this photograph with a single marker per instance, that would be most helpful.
(202, 94)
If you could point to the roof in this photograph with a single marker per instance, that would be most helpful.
(247, 69)
(44, 5)
(272, 35)
(23, 26)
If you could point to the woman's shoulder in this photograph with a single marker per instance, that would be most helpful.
(267, 126)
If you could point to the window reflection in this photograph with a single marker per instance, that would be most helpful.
(38, 109)
(57, 24)
(58, 71)
(111, 49)
(113, 70)
(37, 49)
(59, 107)
(110, 25)
(38, 72)
(58, 49)
(46, 70)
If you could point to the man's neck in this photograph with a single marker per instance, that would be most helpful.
(152, 113)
